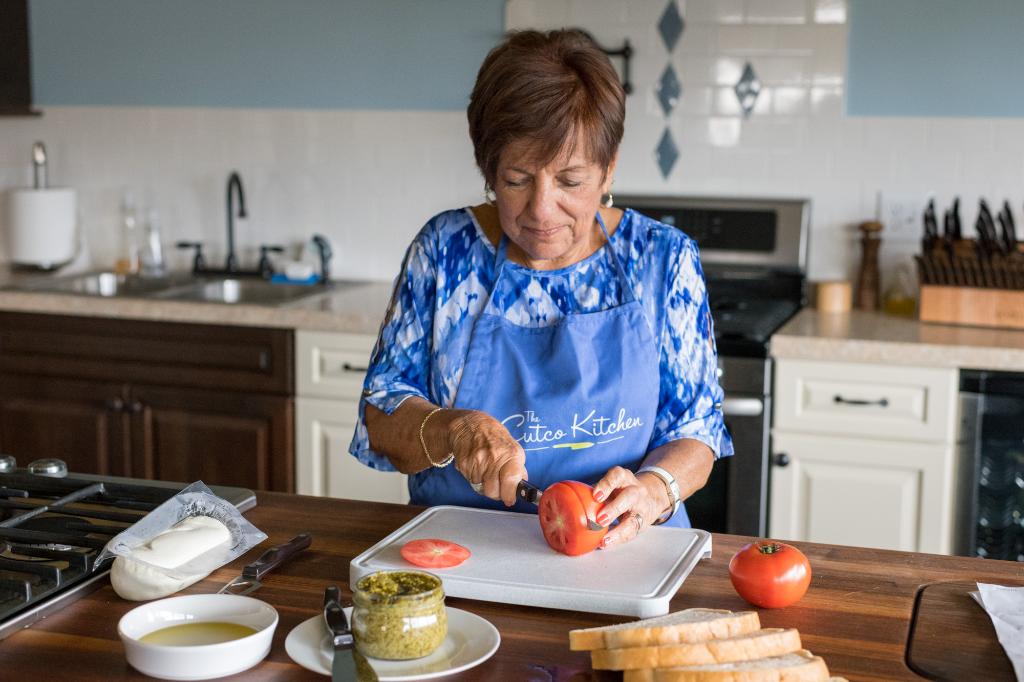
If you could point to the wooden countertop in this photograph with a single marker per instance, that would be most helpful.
(874, 337)
(856, 615)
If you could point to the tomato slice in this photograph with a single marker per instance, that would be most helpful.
(563, 512)
(434, 553)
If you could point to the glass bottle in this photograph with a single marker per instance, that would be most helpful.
(127, 262)
(152, 258)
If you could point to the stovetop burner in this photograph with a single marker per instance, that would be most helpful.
(52, 530)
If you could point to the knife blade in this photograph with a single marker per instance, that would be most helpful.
(249, 580)
(528, 492)
(343, 665)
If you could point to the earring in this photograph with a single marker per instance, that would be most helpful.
(608, 200)
(489, 194)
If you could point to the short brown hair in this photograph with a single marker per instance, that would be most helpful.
(548, 88)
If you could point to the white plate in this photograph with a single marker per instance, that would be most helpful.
(471, 640)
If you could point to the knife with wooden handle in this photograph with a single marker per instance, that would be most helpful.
(249, 580)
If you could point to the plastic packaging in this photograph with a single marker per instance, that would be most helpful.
(195, 500)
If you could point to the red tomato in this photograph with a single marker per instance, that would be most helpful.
(563, 511)
(770, 574)
(434, 553)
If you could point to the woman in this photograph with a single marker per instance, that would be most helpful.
(545, 334)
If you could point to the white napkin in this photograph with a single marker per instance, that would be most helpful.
(1005, 606)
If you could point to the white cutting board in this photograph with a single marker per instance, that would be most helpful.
(511, 563)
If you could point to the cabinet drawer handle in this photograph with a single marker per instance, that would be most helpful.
(349, 367)
(115, 405)
(136, 407)
(781, 460)
(881, 402)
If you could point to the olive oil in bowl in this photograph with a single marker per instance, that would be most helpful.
(197, 634)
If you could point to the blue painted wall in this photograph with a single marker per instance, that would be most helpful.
(365, 54)
(936, 58)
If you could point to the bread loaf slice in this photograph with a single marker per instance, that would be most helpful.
(751, 645)
(799, 666)
(689, 625)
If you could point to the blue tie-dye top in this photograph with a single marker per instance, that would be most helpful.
(449, 271)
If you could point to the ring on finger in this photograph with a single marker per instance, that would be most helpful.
(477, 487)
(639, 521)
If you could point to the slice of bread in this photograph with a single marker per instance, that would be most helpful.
(751, 645)
(799, 666)
(689, 625)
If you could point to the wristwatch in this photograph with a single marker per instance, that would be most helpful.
(673, 491)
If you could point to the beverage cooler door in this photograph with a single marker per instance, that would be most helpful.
(993, 403)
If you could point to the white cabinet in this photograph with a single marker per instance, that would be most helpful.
(864, 455)
(330, 368)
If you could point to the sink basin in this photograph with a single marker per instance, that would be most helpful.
(250, 291)
(180, 286)
(107, 284)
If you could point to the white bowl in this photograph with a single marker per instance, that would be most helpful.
(197, 662)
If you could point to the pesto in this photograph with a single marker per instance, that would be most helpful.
(399, 615)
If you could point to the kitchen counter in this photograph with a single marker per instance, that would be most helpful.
(856, 615)
(860, 336)
(354, 307)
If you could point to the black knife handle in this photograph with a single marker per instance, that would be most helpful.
(335, 619)
(332, 594)
(528, 492)
(275, 556)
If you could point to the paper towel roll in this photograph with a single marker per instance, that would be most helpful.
(41, 226)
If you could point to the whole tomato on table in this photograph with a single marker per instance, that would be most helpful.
(563, 510)
(770, 574)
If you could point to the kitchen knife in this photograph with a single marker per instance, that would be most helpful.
(1009, 230)
(958, 230)
(249, 580)
(343, 665)
(931, 229)
(528, 492)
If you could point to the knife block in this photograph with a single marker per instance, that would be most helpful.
(972, 306)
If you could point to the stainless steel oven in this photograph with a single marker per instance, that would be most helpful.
(754, 254)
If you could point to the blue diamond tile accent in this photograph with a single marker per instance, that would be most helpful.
(666, 153)
(747, 89)
(671, 25)
(669, 90)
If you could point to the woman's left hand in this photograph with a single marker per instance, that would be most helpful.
(635, 502)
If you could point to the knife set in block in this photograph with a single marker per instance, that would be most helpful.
(978, 282)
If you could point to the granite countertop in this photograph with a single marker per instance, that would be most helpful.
(861, 336)
(353, 307)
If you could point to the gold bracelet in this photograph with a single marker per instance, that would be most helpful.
(423, 441)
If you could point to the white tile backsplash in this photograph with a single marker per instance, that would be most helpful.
(369, 179)
(798, 141)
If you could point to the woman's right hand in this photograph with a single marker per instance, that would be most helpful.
(485, 453)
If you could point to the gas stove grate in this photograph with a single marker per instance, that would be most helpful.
(52, 530)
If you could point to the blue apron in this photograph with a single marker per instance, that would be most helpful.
(580, 396)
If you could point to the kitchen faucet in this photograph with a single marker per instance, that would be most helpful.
(264, 269)
(234, 183)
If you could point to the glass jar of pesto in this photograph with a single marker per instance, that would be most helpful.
(399, 614)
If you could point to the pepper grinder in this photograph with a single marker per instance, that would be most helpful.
(869, 285)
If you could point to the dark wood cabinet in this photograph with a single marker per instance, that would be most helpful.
(166, 401)
(190, 435)
(75, 421)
